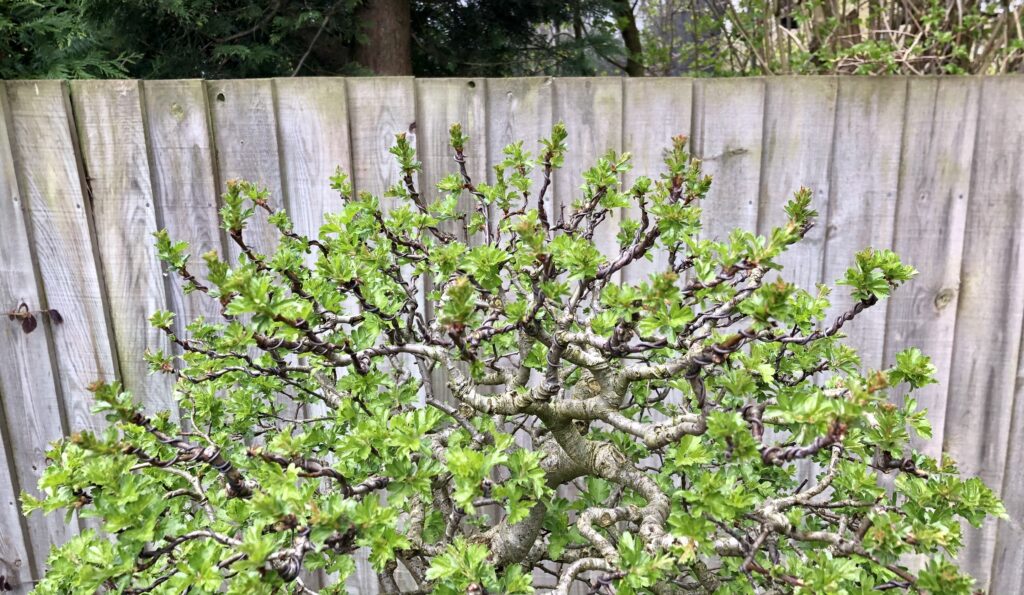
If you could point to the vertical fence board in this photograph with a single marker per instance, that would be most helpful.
(862, 194)
(439, 104)
(312, 122)
(184, 182)
(988, 329)
(245, 134)
(61, 231)
(935, 177)
(799, 120)
(519, 110)
(58, 231)
(592, 111)
(882, 151)
(111, 136)
(728, 124)
(15, 564)
(653, 112)
(28, 392)
(379, 108)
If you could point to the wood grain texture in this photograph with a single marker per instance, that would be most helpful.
(654, 111)
(29, 395)
(799, 120)
(245, 134)
(378, 109)
(935, 178)
(439, 104)
(988, 332)
(110, 125)
(906, 173)
(862, 194)
(727, 129)
(312, 127)
(61, 231)
(15, 563)
(184, 180)
(519, 110)
(591, 109)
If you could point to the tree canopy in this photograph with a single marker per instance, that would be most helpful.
(490, 394)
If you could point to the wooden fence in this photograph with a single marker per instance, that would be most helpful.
(933, 168)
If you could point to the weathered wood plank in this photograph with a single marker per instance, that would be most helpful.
(727, 129)
(439, 104)
(27, 386)
(935, 177)
(379, 108)
(184, 180)
(312, 124)
(312, 121)
(1007, 573)
(988, 329)
(112, 140)
(653, 111)
(245, 134)
(15, 563)
(592, 111)
(56, 197)
(799, 119)
(519, 110)
(862, 194)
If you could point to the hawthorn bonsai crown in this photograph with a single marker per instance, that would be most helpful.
(469, 390)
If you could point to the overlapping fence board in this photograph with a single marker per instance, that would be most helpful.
(15, 564)
(653, 112)
(245, 134)
(592, 112)
(728, 123)
(935, 178)
(112, 140)
(988, 328)
(29, 395)
(185, 185)
(378, 108)
(1007, 184)
(862, 193)
(799, 119)
(932, 167)
(312, 124)
(63, 241)
(519, 110)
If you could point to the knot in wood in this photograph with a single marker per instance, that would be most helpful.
(944, 297)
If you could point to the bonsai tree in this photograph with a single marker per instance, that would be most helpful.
(477, 399)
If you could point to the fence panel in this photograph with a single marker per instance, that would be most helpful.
(988, 326)
(933, 167)
(112, 141)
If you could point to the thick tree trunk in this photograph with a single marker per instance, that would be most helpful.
(630, 37)
(387, 26)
